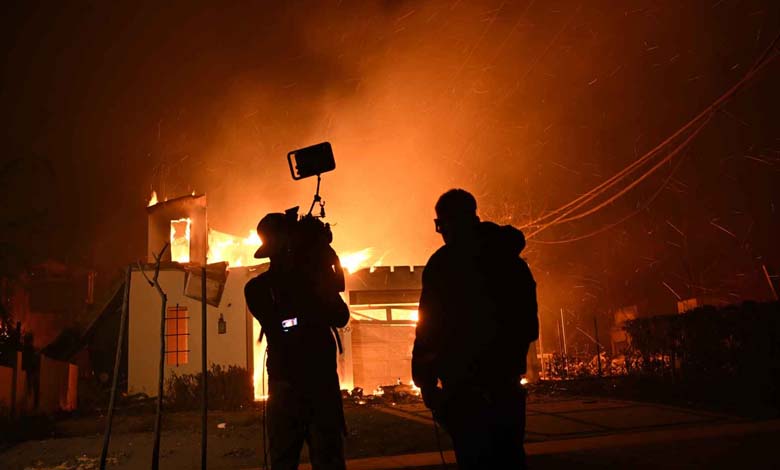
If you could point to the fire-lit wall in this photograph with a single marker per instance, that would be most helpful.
(378, 345)
(233, 347)
(384, 354)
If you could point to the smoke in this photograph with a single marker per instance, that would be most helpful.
(398, 90)
(526, 104)
(416, 98)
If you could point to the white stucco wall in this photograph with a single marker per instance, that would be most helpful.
(232, 348)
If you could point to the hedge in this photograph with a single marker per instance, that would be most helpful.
(711, 348)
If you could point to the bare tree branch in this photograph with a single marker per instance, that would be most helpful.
(141, 268)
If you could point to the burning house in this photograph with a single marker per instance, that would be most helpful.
(377, 343)
(383, 303)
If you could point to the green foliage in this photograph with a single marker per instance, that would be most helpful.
(230, 388)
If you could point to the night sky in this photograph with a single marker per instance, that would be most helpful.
(527, 104)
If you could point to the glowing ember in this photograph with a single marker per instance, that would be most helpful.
(355, 261)
(523, 381)
(153, 200)
(180, 240)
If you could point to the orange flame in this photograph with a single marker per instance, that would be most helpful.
(236, 251)
(357, 260)
(259, 381)
(153, 200)
(180, 240)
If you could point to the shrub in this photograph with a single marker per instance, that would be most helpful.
(230, 388)
(732, 348)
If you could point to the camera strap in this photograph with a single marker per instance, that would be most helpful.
(338, 339)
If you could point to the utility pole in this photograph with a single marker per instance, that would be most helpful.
(117, 364)
(563, 335)
(16, 366)
(541, 353)
(598, 346)
(565, 350)
(161, 365)
(204, 368)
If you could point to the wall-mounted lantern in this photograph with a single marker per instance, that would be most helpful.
(221, 325)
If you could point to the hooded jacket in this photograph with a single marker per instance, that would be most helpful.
(478, 312)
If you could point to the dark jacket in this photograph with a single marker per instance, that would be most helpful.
(478, 312)
(304, 354)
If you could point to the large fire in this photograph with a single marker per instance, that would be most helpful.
(239, 251)
(236, 251)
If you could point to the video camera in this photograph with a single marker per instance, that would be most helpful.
(311, 237)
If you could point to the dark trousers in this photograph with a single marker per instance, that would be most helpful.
(305, 414)
(487, 427)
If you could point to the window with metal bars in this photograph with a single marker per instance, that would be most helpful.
(177, 333)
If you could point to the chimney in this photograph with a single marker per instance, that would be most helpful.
(167, 217)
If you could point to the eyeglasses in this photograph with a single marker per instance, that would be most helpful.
(454, 224)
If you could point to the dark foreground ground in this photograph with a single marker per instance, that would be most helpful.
(564, 431)
(749, 451)
(76, 442)
(754, 450)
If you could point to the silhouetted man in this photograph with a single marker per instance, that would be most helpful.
(297, 314)
(477, 318)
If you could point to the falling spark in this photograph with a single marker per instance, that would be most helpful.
(712, 222)
(671, 290)
(676, 229)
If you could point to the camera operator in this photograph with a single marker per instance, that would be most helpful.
(297, 312)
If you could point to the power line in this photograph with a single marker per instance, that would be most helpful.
(566, 212)
(620, 221)
(630, 186)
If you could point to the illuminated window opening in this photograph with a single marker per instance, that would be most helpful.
(177, 333)
(389, 313)
(180, 240)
